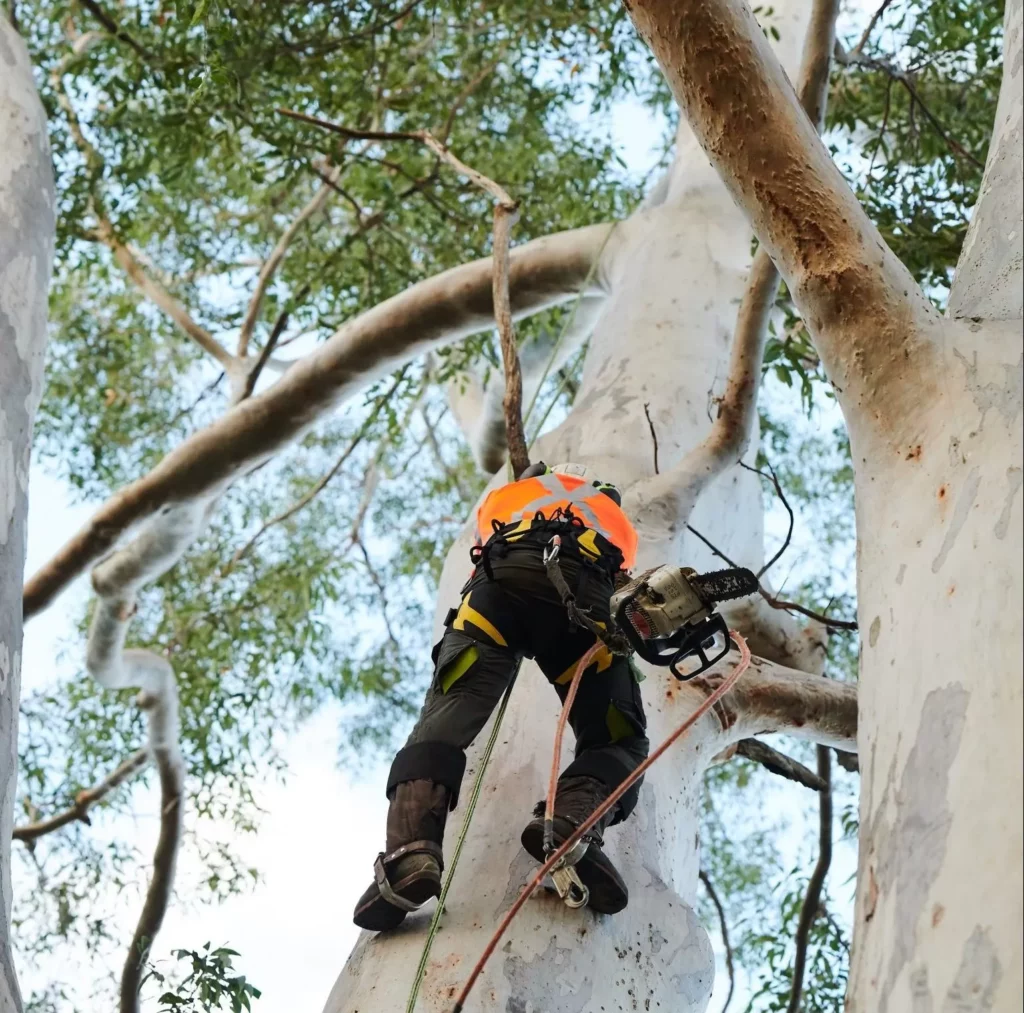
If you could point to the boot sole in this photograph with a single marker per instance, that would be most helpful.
(608, 892)
(377, 915)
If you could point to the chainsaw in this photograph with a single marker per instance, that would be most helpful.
(668, 615)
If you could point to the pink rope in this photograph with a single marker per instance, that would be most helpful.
(600, 811)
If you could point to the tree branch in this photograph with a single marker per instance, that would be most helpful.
(779, 603)
(104, 231)
(871, 322)
(731, 431)
(84, 800)
(432, 313)
(905, 79)
(866, 35)
(812, 899)
(724, 929)
(789, 510)
(773, 698)
(271, 264)
(112, 26)
(518, 455)
(113, 667)
(778, 763)
(158, 295)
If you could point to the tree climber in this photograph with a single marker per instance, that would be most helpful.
(510, 609)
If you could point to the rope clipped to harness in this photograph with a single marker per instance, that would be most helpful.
(567, 881)
(603, 809)
(615, 643)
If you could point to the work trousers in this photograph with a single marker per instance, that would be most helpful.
(510, 610)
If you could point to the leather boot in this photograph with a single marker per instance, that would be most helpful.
(576, 799)
(408, 873)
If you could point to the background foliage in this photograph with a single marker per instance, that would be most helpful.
(182, 149)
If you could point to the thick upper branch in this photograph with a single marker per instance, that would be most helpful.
(433, 312)
(865, 311)
(732, 430)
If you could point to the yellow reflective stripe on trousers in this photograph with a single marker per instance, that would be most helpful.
(468, 614)
(602, 660)
(458, 668)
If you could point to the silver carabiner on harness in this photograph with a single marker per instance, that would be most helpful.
(552, 549)
(568, 884)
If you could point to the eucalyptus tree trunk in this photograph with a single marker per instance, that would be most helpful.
(673, 276)
(26, 254)
(933, 405)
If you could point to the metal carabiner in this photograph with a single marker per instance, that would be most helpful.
(552, 549)
(569, 887)
(568, 884)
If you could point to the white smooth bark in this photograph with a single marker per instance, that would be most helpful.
(26, 255)
(940, 896)
(674, 278)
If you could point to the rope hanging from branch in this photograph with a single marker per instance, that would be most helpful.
(506, 213)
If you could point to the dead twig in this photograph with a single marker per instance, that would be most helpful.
(789, 510)
(778, 603)
(778, 763)
(809, 910)
(654, 435)
(84, 801)
(724, 929)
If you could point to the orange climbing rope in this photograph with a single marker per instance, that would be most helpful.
(556, 758)
(601, 810)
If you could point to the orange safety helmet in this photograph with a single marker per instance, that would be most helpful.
(557, 490)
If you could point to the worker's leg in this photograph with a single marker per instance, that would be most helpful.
(608, 720)
(473, 665)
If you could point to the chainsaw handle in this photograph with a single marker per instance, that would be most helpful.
(712, 625)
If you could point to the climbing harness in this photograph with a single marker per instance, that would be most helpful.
(602, 810)
(577, 616)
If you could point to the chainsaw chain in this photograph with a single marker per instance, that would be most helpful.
(724, 585)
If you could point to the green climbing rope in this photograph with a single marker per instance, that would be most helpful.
(474, 797)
